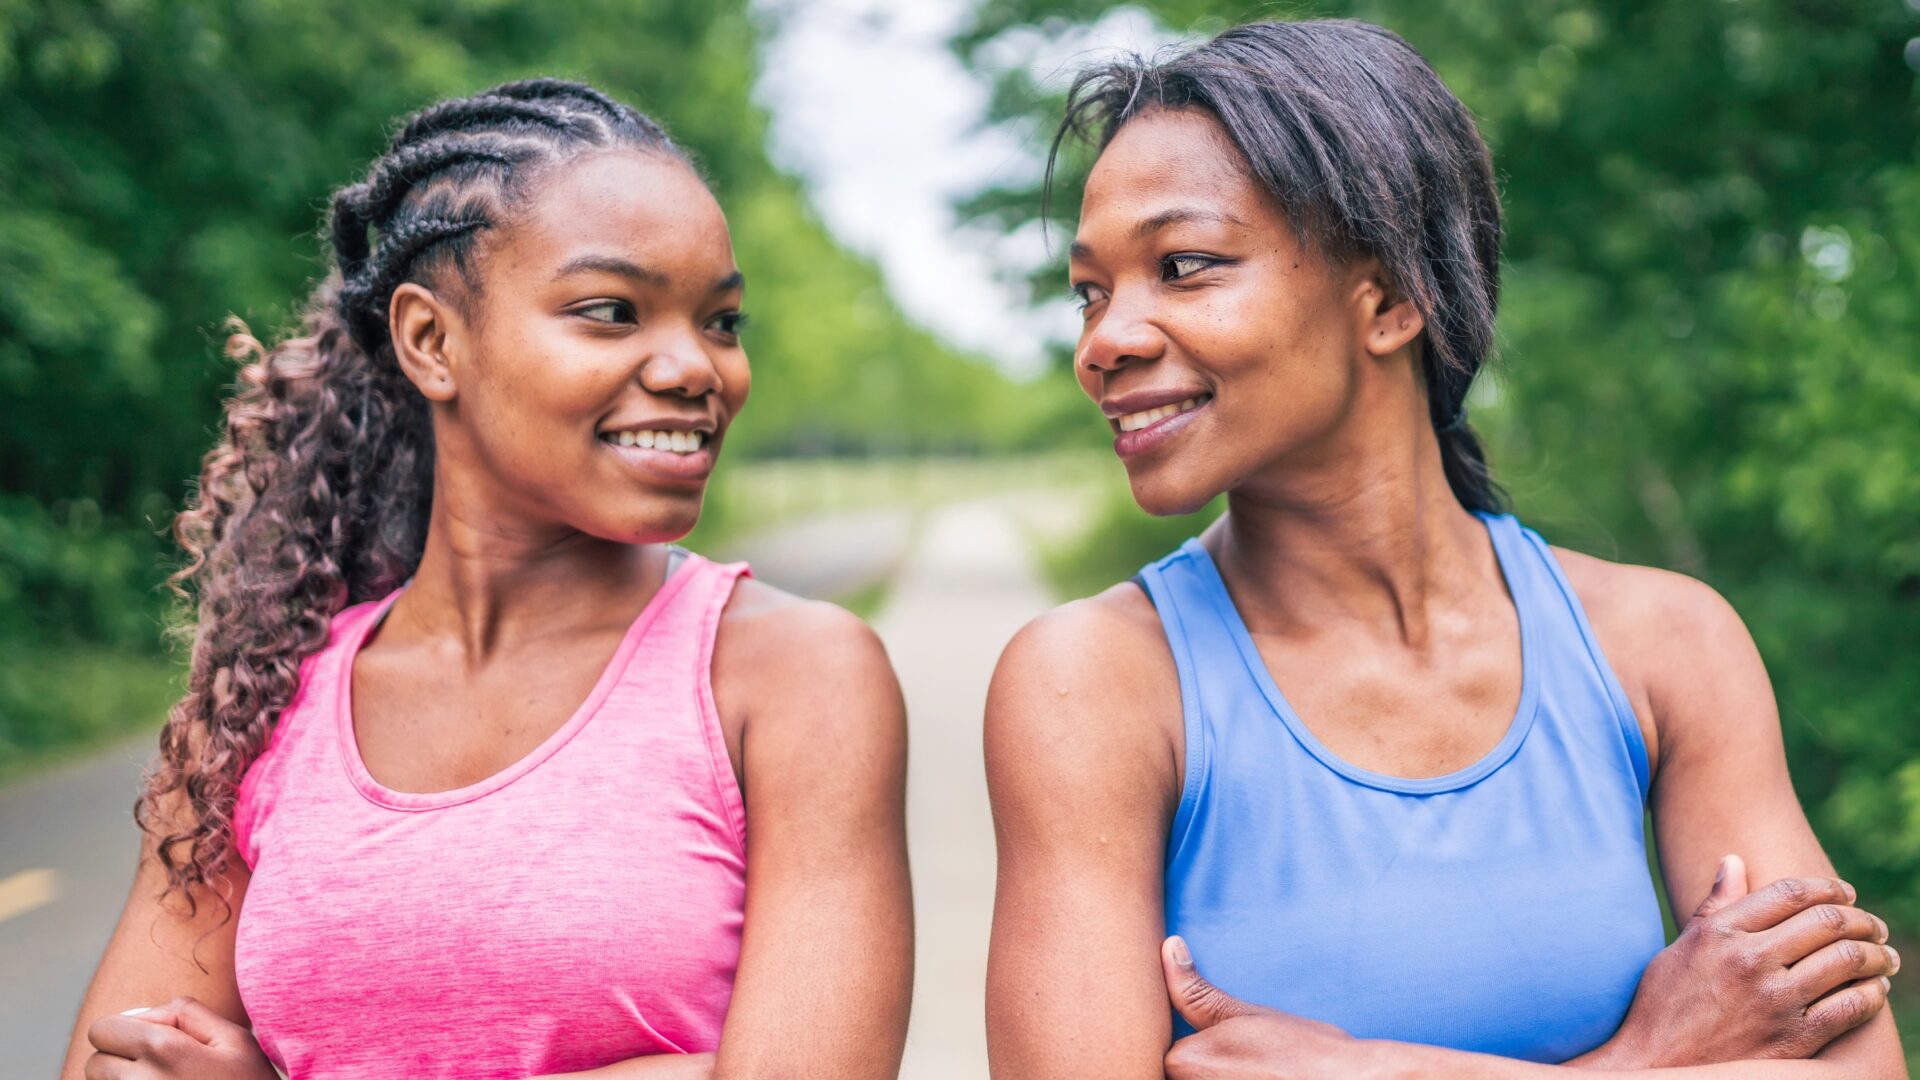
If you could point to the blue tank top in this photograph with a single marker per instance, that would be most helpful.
(1505, 908)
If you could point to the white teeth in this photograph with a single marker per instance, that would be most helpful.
(1149, 417)
(678, 442)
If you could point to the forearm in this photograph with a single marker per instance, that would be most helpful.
(1394, 1061)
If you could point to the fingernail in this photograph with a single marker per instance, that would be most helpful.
(1720, 874)
(1896, 959)
(1884, 932)
(1886, 984)
(1180, 954)
(1851, 895)
(137, 1012)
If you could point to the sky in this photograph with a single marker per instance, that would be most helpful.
(885, 126)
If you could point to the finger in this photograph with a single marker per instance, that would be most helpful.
(204, 1024)
(1771, 906)
(1729, 885)
(113, 1067)
(1809, 931)
(1847, 1008)
(1840, 963)
(137, 1038)
(1200, 1002)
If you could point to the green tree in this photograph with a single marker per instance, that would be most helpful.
(1710, 356)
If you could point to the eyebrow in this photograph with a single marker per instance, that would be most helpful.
(612, 264)
(627, 268)
(1178, 215)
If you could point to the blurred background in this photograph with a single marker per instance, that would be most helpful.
(1710, 353)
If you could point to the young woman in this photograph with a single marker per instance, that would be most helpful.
(1374, 753)
(475, 775)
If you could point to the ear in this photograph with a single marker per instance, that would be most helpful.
(1389, 319)
(427, 333)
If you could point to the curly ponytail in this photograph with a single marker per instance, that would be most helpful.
(318, 493)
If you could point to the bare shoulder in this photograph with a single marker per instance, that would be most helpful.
(1088, 689)
(1647, 604)
(768, 627)
(804, 675)
(1675, 643)
(1107, 647)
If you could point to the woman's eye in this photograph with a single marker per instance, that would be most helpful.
(1175, 267)
(1085, 294)
(607, 311)
(730, 323)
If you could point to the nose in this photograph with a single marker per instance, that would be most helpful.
(1121, 334)
(679, 366)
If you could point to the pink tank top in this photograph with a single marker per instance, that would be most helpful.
(579, 908)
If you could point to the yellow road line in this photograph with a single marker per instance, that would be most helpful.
(27, 890)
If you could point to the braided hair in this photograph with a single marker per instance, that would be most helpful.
(317, 494)
(1367, 151)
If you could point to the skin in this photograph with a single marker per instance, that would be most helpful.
(1376, 601)
(543, 547)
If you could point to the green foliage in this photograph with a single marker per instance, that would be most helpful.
(1711, 360)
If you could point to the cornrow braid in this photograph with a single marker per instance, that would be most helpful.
(561, 89)
(550, 89)
(347, 225)
(487, 108)
(393, 257)
(319, 491)
(407, 167)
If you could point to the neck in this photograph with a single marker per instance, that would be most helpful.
(489, 580)
(1368, 530)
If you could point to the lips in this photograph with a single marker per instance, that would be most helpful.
(1144, 429)
(684, 458)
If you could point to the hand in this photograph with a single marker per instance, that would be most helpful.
(182, 1038)
(1235, 1039)
(1778, 973)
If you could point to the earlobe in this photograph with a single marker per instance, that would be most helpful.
(1391, 320)
(421, 326)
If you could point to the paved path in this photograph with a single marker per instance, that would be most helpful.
(67, 839)
(67, 846)
(968, 585)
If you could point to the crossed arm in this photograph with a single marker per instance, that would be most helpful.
(1084, 786)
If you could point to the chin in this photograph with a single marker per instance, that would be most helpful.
(1163, 494)
(660, 522)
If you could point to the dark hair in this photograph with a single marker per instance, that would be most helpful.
(317, 494)
(1366, 151)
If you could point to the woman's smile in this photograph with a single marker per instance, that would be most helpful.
(1145, 421)
(669, 450)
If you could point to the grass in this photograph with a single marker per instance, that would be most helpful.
(66, 701)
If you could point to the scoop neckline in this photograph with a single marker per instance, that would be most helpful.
(1502, 751)
(381, 795)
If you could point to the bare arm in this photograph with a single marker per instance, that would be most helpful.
(160, 951)
(826, 965)
(1083, 781)
(1722, 783)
